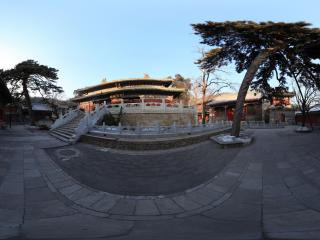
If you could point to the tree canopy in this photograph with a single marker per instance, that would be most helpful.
(31, 76)
(265, 50)
(241, 41)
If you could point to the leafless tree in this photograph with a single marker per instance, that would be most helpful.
(53, 99)
(306, 96)
(208, 85)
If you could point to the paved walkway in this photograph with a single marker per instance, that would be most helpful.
(143, 173)
(268, 190)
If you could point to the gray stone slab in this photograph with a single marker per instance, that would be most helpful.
(168, 206)
(75, 227)
(70, 189)
(306, 220)
(248, 196)
(105, 204)
(34, 182)
(194, 212)
(312, 202)
(63, 183)
(221, 200)
(308, 170)
(12, 187)
(305, 235)
(282, 204)
(89, 211)
(11, 201)
(90, 199)
(316, 180)
(255, 166)
(9, 231)
(11, 216)
(226, 181)
(283, 165)
(305, 190)
(232, 210)
(200, 198)
(80, 193)
(293, 181)
(57, 176)
(186, 203)
(270, 178)
(38, 195)
(13, 177)
(251, 183)
(47, 209)
(124, 206)
(275, 190)
(31, 173)
(217, 188)
(212, 194)
(232, 173)
(146, 208)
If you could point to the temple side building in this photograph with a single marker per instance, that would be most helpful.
(256, 108)
(140, 101)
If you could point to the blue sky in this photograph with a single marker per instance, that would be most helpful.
(93, 39)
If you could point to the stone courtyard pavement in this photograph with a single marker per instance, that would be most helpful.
(267, 190)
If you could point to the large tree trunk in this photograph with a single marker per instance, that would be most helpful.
(28, 100)
(303, 120)
(203, 105)
(262, 56)
(309, 119)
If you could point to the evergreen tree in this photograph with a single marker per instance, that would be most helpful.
(264, 50)
(31, 76)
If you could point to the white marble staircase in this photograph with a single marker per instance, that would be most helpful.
(66, 132)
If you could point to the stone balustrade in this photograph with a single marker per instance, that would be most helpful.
(158, 129)
(151, 107)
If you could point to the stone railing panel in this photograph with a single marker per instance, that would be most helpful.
(64, 119)
(89, 121)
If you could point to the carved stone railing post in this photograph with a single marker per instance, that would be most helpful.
(89, 121)
(64, 119)
(174, 127)
(119, 128)
(189, 127)
(138, 129)
(158, 128)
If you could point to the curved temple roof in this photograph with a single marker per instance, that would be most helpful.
(146, 89)
(139, 81)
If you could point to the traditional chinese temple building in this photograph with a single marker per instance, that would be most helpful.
(144, 101)
(256, 108)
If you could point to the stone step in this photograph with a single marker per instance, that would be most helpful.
(59, 137)
(70, 126)
(64, 131)
(63, 134)
(67, 129)
(73, 123)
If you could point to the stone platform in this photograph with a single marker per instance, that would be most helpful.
(147, 143)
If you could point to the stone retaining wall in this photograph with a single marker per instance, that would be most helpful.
(150, 144)
(151, 119)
